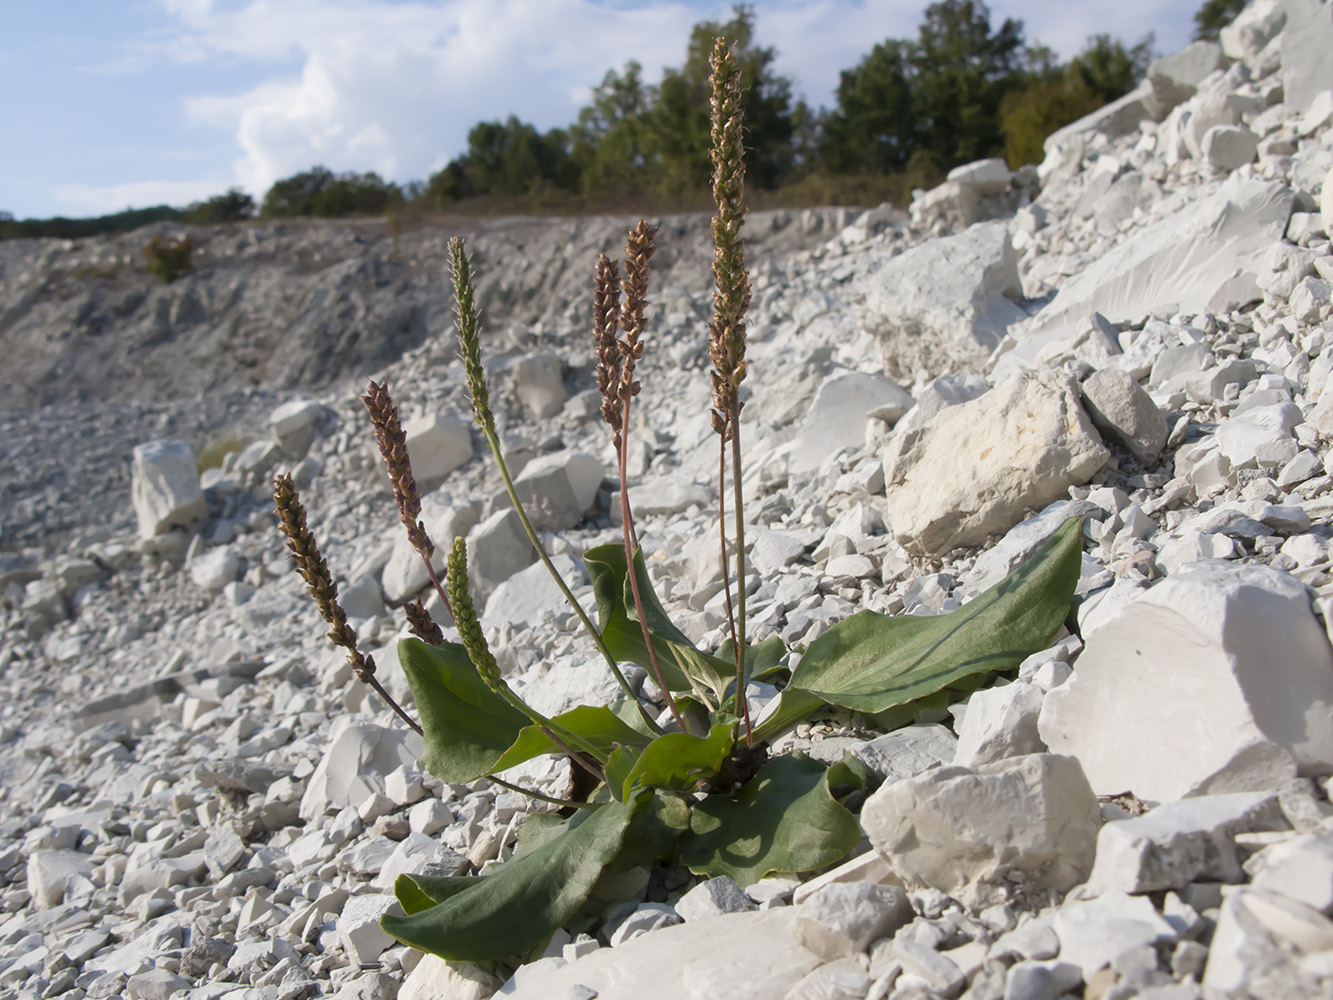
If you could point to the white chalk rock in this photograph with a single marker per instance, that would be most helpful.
(539, 386)
(497, 548)
(1180, 842)
(1204, 258)
(1226, 147)
(1259, 941)
(164, 484)
(360, 756)
(966, 831)
(1094, 932)
(445, 519)
(973, 470)
(943, 304)
(293, 425)
(531, 594)
(1217, 679)
(1326, 202)
(436, 979)
(214, 569)
(694, 959)
(1000, 722)
(49, 872)
(558, 489)
(438, 443)
(837, 417)
(1124, 412)
(359, 929)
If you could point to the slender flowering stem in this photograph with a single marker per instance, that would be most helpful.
(479, 652)
(731, 299)
(541, 797)
(639, 249)
(319, 581)
(469, 341)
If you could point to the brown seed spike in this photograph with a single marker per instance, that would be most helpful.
(639, 249)
(392, 441)
(605, 309)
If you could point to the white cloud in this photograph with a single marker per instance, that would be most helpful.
(395, 86)
(91, 199)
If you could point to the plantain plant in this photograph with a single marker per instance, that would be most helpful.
(695, 785)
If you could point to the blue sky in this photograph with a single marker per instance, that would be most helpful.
(113, 104)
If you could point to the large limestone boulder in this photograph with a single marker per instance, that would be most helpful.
(1307, 49)
(1218, 679)
(976, 467)
(164, 484)
(1175, 78)
(943, 305)
(970, 832)
(1206, 257)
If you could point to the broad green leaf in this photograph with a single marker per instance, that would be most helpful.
(871, 662)
(619, 765)
(619, 621)
(763, 659)
(793, 706)
(784, 820)
(598, 725)
(680, 761)
(468, 727)
(420, 892)
(654, 832)
(524, 900)
(537, 829)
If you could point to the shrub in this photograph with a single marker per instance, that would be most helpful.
(169, 259)
(696, 785)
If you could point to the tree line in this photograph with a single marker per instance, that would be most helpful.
(910, 110)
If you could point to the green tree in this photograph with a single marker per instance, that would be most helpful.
(680, 115)
(508, 158)
(1213, 16)
(232, 206)
(614, 145)
(961, 70)
(1108, 70)
(874, 128)
(1057, 95)
(294, 196)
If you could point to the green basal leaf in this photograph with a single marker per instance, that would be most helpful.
(468, 727)
(599, 725)
(420, 892)
(538, 829)
(785, 819)
(618, 620)
(680, 761)
(524, 900)
(654, 832)
(619, 766)
(871, 662)
(793, 705)
(762, 660)
(850, 773)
